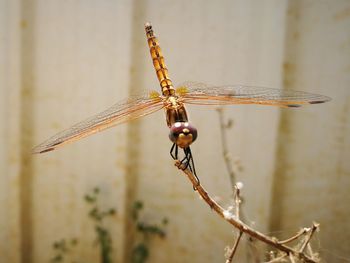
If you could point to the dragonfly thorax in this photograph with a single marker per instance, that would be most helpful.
(182, 134)
(175, 111)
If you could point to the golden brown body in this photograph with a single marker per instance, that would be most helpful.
(158, 62)
(175, 110)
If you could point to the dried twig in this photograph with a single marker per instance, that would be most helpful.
(296, 236)
(231, 168)
(309, 250)
(315, 226)
(237, 188)
(291, 257)
(229, 217)
(232, 171)
(234, 248)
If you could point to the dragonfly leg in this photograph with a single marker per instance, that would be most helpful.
(174, 151)
(188, 159)
(186, 162)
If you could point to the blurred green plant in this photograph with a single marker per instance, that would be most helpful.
(141, 251)
(104, 239)
(62, 248)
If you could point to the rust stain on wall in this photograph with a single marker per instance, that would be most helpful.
(289, 72)
(23, 24)
(26, 126)
(133, 128)
(293, 12)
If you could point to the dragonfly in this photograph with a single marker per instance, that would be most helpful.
(173, 100)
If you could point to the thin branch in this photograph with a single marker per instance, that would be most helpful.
(225, 152)
(309, 249)
(237, 188)
(234, 248)
(296, 236)
(238, 223)
(291, 257)
(233, 169)
(310, 252)
(308, 238)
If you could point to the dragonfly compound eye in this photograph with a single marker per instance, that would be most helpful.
(183, 134)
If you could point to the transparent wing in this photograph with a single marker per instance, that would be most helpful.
(121, 112)
(199, 93)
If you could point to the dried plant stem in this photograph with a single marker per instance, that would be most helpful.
(238, 223)
(309, 249)
(233, 169)
(291, 257)
(308, 238)
(296, 236)
(237, 201)
(225, 152)
(234, 248)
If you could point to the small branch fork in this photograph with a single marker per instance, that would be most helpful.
(234, 248)
(234, 220)
(233, 168)
(237, 189)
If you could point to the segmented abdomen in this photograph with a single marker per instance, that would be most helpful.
(158, 62)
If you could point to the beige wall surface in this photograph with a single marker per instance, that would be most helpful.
(63, 61)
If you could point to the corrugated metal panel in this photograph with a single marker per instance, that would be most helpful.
(10, 139)
(65, 61)
(312, 176)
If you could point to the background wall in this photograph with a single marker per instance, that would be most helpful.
(63, 61)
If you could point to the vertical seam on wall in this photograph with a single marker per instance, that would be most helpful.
(26, 128)
(279, 182)
(136, 70)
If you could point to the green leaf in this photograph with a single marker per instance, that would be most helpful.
(139, 254)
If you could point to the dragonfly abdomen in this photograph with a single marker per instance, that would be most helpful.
(158, 62)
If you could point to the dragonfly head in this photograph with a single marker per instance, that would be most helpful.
(183, 134)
